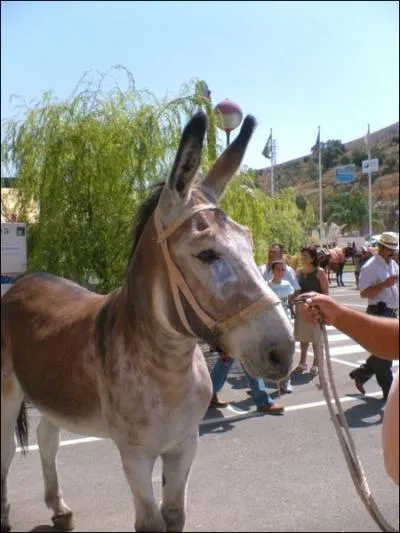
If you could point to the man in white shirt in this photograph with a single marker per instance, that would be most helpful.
(379, 282)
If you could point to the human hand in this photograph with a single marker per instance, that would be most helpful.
(318, 307)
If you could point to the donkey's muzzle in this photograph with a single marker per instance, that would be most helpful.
(274, 362)
(280, 360)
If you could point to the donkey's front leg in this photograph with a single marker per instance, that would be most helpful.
(138, 468)
(176, 468)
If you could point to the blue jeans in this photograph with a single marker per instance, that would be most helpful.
(220, 373)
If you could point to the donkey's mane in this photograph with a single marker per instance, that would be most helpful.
(146, 209)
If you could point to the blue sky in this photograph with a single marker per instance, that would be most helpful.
(294, 65)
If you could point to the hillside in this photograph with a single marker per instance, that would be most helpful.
(302, 173)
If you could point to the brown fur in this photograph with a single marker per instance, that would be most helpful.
(123, 365)
(44, 318)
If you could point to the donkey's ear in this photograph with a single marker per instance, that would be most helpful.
(187, 160)
(228, 162)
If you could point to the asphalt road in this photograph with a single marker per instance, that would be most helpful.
(252, 472)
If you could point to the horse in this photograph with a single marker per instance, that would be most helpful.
(294, 261)
(127, 365)
(361, 256)
(334, 259)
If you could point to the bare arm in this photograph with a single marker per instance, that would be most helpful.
(377, 335)
(390, 432)
(323, 281)
(374, 290)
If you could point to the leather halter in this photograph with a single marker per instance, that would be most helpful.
(178, 284)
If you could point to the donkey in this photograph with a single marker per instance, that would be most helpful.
(127, 365)
(334, 259)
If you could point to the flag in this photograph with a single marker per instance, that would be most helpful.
(315, 149)
(267, 151)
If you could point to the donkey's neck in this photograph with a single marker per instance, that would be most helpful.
(148, 303)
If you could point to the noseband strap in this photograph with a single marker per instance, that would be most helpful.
(178, 284)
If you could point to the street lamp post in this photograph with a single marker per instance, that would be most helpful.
(229, 117)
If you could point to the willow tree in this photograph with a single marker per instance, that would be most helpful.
(83, 166)
(271, 219)
(86, 163)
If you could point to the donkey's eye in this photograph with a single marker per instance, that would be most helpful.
(207, 256)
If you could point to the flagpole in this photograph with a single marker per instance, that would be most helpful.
(369, 188)
(321, 224)
(272, 163)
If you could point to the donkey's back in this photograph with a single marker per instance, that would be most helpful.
(47, 326)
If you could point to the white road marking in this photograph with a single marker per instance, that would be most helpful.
(346, 399)
(341, 350)
(238, 414)
(70, 442)
(342, 362)
(336, 337)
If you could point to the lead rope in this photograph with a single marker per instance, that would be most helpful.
(345, 438)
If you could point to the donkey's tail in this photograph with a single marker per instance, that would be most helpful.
(22, 428)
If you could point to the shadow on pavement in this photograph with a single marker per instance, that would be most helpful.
(366, 414)
(301, 378)
(221, 426)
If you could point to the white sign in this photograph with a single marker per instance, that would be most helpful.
(13, 248)
(370, 165)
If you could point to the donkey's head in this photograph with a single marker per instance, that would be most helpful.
(219, 292)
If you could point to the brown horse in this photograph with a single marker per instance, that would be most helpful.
(334, 259)
(127, 365)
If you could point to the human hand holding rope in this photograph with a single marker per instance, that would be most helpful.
(318, 308)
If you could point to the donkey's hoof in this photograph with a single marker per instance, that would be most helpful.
(64, 522)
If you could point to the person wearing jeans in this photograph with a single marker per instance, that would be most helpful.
(260, 395)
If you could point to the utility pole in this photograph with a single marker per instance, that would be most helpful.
(369, 187)
(273, 163)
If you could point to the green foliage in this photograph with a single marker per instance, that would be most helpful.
(348, 208)
(331, 153)
(87, 162)
(301, 202)
(377, 153)
(312, 170)
(392, 163)
(345, 160)
(283, 179)
(270, 219)
(358, 156)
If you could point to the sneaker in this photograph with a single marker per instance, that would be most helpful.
(216, 402)
(271, 409)
(286, 388)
